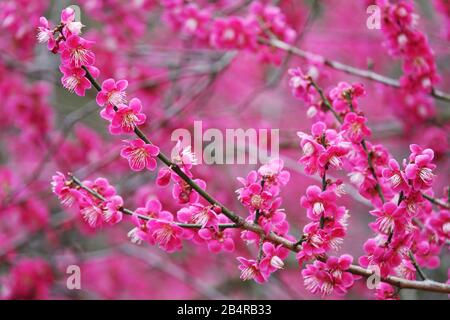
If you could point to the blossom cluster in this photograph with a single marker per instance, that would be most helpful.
(106, 207)
(403, 215)
(77, 62)
(405, 41)
(260, 195)
(324, 150)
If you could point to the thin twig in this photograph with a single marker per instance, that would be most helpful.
(129, 212)
(363, 73)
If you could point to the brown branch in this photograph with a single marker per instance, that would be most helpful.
(129, 212)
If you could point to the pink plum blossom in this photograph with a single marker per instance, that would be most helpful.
(355, 128)
(127, 117)
(250, 270)
(112, 94)
(165, 234)
(330, 277)
(76, 52)
(140, 155)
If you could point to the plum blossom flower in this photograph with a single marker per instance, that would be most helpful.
(76, 52)
(101, 186)
(354, 127)
(198, 214)
(301, 85)
(45, 34)
(326, 278)
(332, 156)
(74, 80)
(152, 210)
(311, 151)
(112, 213)
(68, 20)
(385, 291)
(93, 210)
(183, 192)
(218, 239)
(164, 176)
(406, 269)
(427, 253)
(396, 176)
(255, 194)
(319, 203)
(343, 94)
(166, 234)
(440, 224)
(255, 197)
(140, 155)
(323, 149)
(250, 270)
(420, 170)
(272, 219)
(270, 19)
(415, 203)
(273, 174)
(183, 156)
(127, 117)
(112, 94)
(273, 258)
(390, 217)
(385, 257)
(405, 41)
(316, 240)
(62, 188)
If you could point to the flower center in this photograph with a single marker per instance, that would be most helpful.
(67, 199)
(446, 227)
(117, 97)
(395, 180)
(426, 175)
(316, 240)
(256, 201)
(308, 149)
(248, 273)
(43, 36)
(128, 120)
(90, 214)
(139, 158)
(79, 56)
(71, 82)
(318, 208)
(191, 24)
(276, 262)
(335, 162)
(164, 234)
(386, 224)
(229, 34)
(201, 217)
